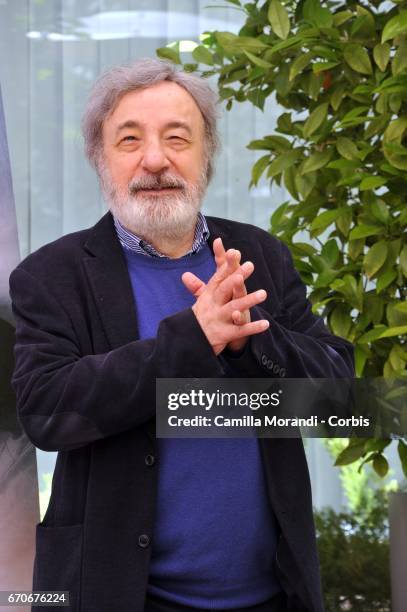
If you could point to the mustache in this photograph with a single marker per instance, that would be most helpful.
(161, 181)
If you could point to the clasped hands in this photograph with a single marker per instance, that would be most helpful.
(222, 304)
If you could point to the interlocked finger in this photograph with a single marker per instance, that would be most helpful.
(249, 329)
(225, 289)
(246, 302)
(228, 267)
(193, 283)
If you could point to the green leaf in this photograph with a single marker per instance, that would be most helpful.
(283, 161)
(255, 73)
(378, 208)
(303, 248)
(351, 453)
(343, 164)
(278, 215)
(355, 112)
(385, 279)
(381, 55)
(376, 125)
(257, 97)
(330, 252)
(395, 101)
(401, 330)
(372, 334)
(343, 222)
(325, 219)
(313, 85)
(395, 154)
(376, 444)
(398, 161)
(305, 184)
(380, 465)
(364, 88)
(347, 148)
(316, 161)
(258, 61)
(396, 148)
(362, 230)
(337, 96)
(355, 248)
(340, 321)
(233, 43)
(402, 450)
(393, 84)
(372, 182)
(373, 306)
(282, 45)
(341, 17)
(202, 55)
(289, 181)
(299, 64)
(273, 143)
(350, 179)
(375, 258)
(352, 290)
(282, 82)
(259, 167)
(364, 25)
(318, 67)
(169, 53)
(278, 17)
(397, 359)
(315, 120)
(396, 313)
(395, 26)
(313, 11)
(357, 58)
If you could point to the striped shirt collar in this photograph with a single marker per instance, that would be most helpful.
(130, 241)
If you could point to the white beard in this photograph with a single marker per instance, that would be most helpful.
(154, 218)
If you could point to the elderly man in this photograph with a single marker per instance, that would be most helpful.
(156, 290)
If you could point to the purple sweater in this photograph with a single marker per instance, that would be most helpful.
(215, 534)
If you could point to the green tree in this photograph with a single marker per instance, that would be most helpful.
(338, 69)
(354, 558)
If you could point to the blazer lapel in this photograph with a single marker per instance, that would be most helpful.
(110, 284)
(109, 280)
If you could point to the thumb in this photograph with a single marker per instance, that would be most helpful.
(193, 283)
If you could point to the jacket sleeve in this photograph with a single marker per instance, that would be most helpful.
(297, 343)
(65, 399)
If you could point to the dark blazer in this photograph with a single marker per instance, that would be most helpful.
(85, 387)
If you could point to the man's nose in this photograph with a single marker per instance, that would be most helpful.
(154, 157)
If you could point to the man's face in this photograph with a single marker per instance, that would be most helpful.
(153, 172)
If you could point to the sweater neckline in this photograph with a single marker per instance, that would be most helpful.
(186, 261)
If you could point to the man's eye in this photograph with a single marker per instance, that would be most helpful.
(176, 139)
(129, 138)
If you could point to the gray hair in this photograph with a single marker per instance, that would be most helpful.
(119, 80)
